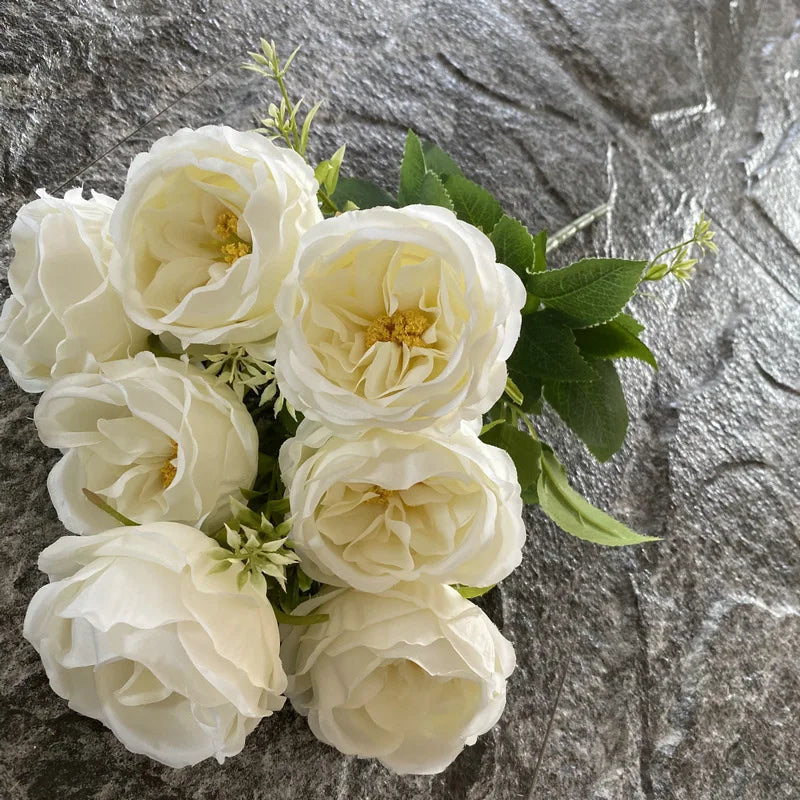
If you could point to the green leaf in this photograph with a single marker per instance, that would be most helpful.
(531, 388)
(574, 514)
(540, 252)
(530, 496)
(327, 172)
(546, 350)
(595, 411)
(98, 501)
(513, 245)
(473, 203)
(468, 592)
(294, 619)
(433, 193)
(412, 171)
(303, 581)
(524, 450)
(616, 339)
(361, 193)
(307, 126)
(436, 160)
(250, 494)
(539, 265)
(590, 291)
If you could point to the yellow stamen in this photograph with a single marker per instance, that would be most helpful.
(233, 250)
(227, 228)
(169, 470)
(227, 224)
(381, 495)
(402, 327)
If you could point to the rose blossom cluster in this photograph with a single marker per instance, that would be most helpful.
(389, 329)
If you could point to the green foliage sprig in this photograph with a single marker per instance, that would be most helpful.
(573, 329)
(681, 264)
(285, 121)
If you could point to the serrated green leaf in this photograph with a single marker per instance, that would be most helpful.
(470, 592)
(574, 514)
(629, 324)
(546, 350)
(361, 193)
(473, 203)
(596, 411)
(616, 339)
(436, 160)
(412, 171)
(433, 193)
(513, 245)
(220, 566)
(242, 579)
(590, 291)
(524, 450)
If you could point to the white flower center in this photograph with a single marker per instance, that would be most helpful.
(382, 530)
(416, 703)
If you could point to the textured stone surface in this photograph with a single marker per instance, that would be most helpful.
(679, 660)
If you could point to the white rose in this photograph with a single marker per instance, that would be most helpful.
(134, 632)
(207, 229)
(398, 318)
(63, 316)
(156, 438)
(379, 507)
(409, 676)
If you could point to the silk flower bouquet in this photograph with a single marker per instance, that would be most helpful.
(297, 419)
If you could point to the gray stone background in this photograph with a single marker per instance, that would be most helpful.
(667, 671)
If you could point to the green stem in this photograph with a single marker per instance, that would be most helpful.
(327, 204)
(568, 231)
(285, 94)
(512, 390)
(294, 619)
(95, 499)
(518, 414)
(653, 261)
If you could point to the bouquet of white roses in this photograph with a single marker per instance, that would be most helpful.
(309, 405)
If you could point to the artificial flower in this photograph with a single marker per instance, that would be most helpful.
(206, 230)
(396, 317)
(62, 316)
(379, 507)
(156, 438)
(137, 631)
(409, 676)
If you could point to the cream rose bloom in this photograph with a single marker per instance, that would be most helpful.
(134, 631)
(409, 676)
(376, 508)
(207, 229)
(63, 316)
(154, 437)
(397, 318)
